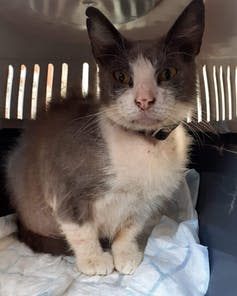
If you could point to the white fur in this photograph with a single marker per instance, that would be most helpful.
(165, 108)
(145, 173)
(144, 78)
(126, 255)
(125, 250)
(91, 259)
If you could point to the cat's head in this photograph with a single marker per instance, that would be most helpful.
(146, 85)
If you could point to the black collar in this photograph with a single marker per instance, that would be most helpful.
(161, 134)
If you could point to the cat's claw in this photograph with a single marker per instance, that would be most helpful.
(99, 264)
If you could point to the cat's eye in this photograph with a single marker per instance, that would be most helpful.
(123, 77)
(167, 74)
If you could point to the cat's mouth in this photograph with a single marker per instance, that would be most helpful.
(145, 121)
(148, 120)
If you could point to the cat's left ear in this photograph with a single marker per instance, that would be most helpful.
(186, 34)
(104, 37)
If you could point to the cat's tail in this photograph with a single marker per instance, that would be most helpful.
(43, 244)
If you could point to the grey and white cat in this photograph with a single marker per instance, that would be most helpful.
(86, 171)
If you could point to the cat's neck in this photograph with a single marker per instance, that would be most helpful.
(159, 134)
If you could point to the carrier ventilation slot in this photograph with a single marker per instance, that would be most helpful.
(217, 113)
(207, 97)
(21, 92)
(64, 78)
(218, 89)
(97, 82)
(199, 104)
(223, 98)
(49, 83)
(85, 79)
(230, 113)
(9, 91)
(28, 88)
(35, 88)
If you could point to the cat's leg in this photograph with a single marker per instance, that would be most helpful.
(90, 257)
(129, 245)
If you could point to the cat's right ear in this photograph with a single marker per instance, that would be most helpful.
(105, 39)
(186, 34)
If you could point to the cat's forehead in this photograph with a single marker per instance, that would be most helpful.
(153, 52)
(143, 70)
(149, 50)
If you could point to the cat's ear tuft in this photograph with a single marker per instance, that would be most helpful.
(104, 37)
(186, 34)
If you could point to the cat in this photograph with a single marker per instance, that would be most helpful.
(87, 171)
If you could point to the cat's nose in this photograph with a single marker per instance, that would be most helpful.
(144, 103)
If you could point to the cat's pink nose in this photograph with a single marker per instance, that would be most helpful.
(144, 103)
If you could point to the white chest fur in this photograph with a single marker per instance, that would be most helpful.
(144, 172)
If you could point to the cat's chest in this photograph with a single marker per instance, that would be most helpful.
(142, 173)
(133, 160)
(139, 164)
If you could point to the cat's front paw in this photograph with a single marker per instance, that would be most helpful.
(96, 264)
(127, 261)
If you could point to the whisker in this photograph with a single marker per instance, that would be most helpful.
(220, 149)
(102, 111)
(82, 124)
(196, 136)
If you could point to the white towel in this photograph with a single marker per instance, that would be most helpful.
(174, 263)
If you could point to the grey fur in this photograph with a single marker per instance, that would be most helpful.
(56, 157)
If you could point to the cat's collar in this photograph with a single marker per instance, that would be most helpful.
(161, 134)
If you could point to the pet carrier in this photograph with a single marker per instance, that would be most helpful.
(45, 51)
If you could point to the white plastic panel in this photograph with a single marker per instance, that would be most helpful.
(45, 32)
(23, 97)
